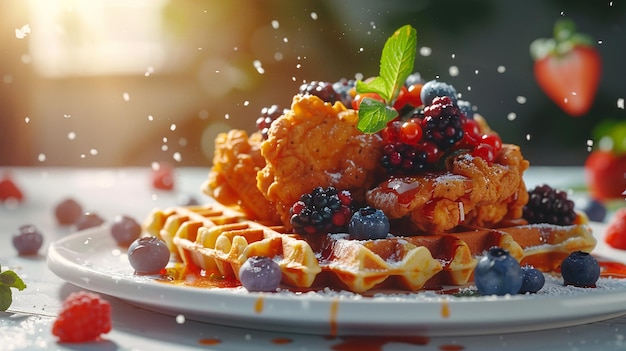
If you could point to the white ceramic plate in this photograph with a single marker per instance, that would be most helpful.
(91, 259)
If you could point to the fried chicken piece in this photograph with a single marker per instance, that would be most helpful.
(232, 179)
(472, 192)
(316, 144)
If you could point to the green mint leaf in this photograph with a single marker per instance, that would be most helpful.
(374, 115)
(11, 280)
(396, 64)
(5, 298)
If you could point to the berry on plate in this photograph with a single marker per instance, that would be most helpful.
(88, 220)
(27, 240)
(368, 223)
(549, 205)
(615, 235)
(532, 280)
(162, 176)
(580, 269)
(322, 211)
(148, 255)
(498, 273)
(260, 273)
(567, 68)
(84, 316)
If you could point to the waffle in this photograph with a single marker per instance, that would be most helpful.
(219, 239)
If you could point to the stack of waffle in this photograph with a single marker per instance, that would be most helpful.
(219, 239)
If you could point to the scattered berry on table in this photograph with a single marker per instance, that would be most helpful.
(532, 280)
(433, 89)
(148, 255)
(615, 234)
(368, 223)
(84, 316)
(27, 240)
(580, 269)
(268, 115)
(323, 90)
(594, 209)
(549, 205)
(498, 273)
(322, 211)
(88, 220)
(9, 191)
(260, 273)
(125, 230)
(68, 211)
(162, 176)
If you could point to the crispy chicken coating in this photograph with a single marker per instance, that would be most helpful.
(316, 144)
(232, 179)
(472, 192)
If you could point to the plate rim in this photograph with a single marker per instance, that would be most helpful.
(335, 314)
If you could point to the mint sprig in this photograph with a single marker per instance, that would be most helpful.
(8, 280)
(396, 64)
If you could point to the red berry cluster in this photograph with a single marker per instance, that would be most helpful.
(419, 143)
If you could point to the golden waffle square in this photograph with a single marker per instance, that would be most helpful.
(219, 239)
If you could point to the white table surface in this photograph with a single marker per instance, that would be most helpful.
(109, 192)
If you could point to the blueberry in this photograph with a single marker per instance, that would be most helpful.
(148, 255)
(260, 273)
(125, 230)
(498, 273)
(413, 78)
(580, 269)
(368, 223)
(466, 108)
(434, 88)
(532, 281)
(594, 209)
(27, 240)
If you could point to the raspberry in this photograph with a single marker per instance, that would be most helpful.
(84, 316)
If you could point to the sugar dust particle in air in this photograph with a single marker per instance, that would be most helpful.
(620, 103)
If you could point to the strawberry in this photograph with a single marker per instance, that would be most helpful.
(605, 166)
(10, 190)
(567, 68)
(84, 316)
(616, 230)
(162, 176)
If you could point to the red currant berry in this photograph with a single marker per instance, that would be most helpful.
(492, 140)
(411, 132)
(432, 151)
(472, 132)
(359, 98)
(485, 152)
(402, 100)
(413, 93)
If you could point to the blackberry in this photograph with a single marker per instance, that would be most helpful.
(443, 123)
(549, 205)
(322, 211)
(323, 90)
(268, 115)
